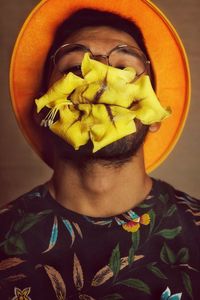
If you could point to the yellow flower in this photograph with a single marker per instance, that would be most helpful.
(22, 294)
(101, 106)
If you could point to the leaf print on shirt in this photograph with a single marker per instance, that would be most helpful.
(171, 210)
(155, 270)
(169, 233)
(155, 229)
(57, 282)
(69, 227)
(78, 229)
(106, 272)
(78, 274)
(178, 261)
(54, 235)
(152, 216)
(114, 262)
(187, 283)
(10, 262)
(136, 284)
(168, 256)
(135, 237)
(183, 255)
(14, 243)
(193, 206)
(29, 220)
(164, 198)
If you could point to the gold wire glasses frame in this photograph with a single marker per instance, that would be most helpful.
(120, 56)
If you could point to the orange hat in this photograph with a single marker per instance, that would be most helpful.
(164, 47)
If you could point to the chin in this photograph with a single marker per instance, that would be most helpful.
(115, 154)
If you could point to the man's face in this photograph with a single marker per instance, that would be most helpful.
(100, 40)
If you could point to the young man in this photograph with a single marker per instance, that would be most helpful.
(101, 228)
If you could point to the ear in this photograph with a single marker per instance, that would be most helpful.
(154, 127)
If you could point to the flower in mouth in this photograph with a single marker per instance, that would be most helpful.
(101, 106)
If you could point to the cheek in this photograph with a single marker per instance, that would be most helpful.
(55, 76)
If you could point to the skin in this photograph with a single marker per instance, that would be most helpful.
(98, 190)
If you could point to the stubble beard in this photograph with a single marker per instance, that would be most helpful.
(114, 155)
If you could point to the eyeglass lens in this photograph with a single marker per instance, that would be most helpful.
(69, 58)
(127, 57)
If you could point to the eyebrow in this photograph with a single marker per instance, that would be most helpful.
(87, 44)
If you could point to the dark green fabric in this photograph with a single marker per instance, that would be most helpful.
(49, 252)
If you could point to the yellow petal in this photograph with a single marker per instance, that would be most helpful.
(88, 119)
(117, 76)
(105, 130)
(67, 118)
(92, 70)
(150, 112)
(119, 91)
(76, 137)
(68, 127)
(111, 83)
(60, 89)
(148, 109)
(86, 93)
(122, 96)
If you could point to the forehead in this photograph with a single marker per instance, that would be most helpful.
(101, 35)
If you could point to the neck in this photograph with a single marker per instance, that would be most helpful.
(98, 190)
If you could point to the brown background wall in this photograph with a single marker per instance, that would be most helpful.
(21, 169)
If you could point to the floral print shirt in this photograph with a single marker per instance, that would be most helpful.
(149, 252)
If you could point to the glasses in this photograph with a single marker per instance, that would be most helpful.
(68, 58)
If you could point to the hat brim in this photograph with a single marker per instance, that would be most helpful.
(166, 52)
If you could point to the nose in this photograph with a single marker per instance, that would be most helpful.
(101, 58)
